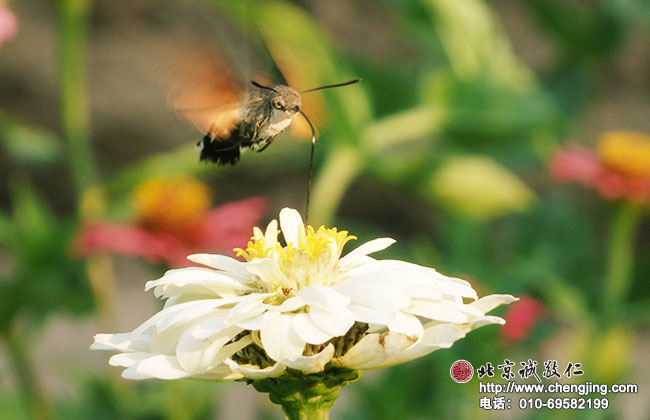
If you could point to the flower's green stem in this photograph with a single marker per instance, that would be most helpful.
(17, 350)
(74, 104)
(307, 397)
(343, 164)
(621, 254)
(76, 127)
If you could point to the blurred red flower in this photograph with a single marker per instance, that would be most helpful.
(619, 169)
(521, 317)
(174, 221)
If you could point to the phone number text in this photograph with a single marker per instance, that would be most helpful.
(564, 403)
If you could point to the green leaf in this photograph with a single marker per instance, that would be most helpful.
(585, 32)
(31, 215)
(27, 144)
(484, 108)
(45, 278)
(475, 42)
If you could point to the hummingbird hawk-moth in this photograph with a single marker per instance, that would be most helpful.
(264, 113)
(235, 116)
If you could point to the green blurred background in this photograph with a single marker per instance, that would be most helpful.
(445, 146)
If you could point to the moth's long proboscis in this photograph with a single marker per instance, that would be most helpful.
(311, 164)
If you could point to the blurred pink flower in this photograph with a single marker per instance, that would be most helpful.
(618, 170)
(521, 317)
(8, 24)
(219, 230)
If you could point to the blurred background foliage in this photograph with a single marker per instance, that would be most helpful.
(445, 146)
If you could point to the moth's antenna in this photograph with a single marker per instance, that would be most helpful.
(254, 83)
(311, 164)
(349, 82)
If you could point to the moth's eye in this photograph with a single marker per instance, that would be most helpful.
(277, 103)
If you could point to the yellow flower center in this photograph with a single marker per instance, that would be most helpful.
(312, 261)
(171, 204)
(626, 151)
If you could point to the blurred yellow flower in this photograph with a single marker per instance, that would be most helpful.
(480, 188)
(610, 354)
(171, 204)
(627, 151)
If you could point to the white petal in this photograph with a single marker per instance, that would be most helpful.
(487, 303)
(365, 249)
(395, 267)
(406, 324)
(290, 223)
(176, 313)
(440, 311)
(456, 286)
(371, 315)
(268, 272)
(312, 364)
(279, 338)
(210, 326)
(253, 324)
(221, 373)
(162, 367)
(481, 322)
(441, 335)
(254, 372)
(250, 306)
(132, 374)
(336, 324)
(169, 369)
(288, 305)
(385, 295)
(411, 275)
(373, 350)
(191, 311)
(199, 356)
(127, 360)
(220, 262)
(120, 342)
(198, 280)
(427, 292)
(308, 331)
(271, 235)
(436, 337)
(323, 297)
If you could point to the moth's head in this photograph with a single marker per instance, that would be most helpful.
(286, 99)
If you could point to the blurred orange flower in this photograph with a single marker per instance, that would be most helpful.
(619, 169)
(174, 220)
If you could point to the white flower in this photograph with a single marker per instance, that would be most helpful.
(300, 306)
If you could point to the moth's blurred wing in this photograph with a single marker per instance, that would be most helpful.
(205, 92)
(218, 121)
(300, 73)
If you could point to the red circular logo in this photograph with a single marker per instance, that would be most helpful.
(461, 371)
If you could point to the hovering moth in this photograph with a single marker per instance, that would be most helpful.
(234, 115)
(234, 118)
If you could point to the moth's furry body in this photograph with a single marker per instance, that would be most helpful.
(264, 114)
